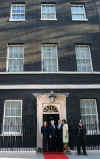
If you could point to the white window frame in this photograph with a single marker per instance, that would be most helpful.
(16, 45)
(91, 64)
(79, 5)
(92, 131)
(46, 4)
(11, 133)
(11, 13)
(56, 57)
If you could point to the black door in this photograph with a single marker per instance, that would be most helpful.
(49, 117)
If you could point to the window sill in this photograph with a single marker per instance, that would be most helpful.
(83, 20)
(11, 134)
(48, 19)
(17, 20)
(94, 133)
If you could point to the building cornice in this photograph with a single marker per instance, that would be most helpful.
(39, 72)
(50, 86)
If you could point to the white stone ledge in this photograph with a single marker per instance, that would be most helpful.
(51, 86)
(59, 72)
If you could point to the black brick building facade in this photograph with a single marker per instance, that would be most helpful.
(33, 82)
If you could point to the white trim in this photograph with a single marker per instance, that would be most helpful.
(51, 86)
(59, 72)
(50, 113)
(80, 20)
(17, 20)
(49, 19)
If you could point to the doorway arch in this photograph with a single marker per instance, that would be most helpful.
(50, 112)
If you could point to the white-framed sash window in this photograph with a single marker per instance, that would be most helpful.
(17, 12)
(89, 115)
(48, 11)
(49, 58)
(15, 58)
(83, 58)
(78, 12)
(12, 117)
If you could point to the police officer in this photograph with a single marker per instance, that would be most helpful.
(81, 133)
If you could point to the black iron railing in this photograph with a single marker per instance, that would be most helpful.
(92, 138)
(25, 141)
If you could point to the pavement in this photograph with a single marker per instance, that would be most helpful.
(21, 155)
(34, 155)
(95, 154)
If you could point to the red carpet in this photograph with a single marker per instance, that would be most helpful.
(55, 156)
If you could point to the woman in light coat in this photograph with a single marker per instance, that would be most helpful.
(65, 135)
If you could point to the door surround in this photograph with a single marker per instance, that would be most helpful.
(44, 102)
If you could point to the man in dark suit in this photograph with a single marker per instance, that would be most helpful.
(59, 137)
(81, 134)
(52, 136)
(44, 132)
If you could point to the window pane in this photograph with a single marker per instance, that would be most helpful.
(15, 65)
(78, 12)
(12, 117)
(83, 58)
(48, 12)
(16, 52)
(7, 109)
(12, 108)
(49, 58)
(15, 58)
(12, 125)
(43, 9)
(89, 115)
(74, 17)
(17, 12)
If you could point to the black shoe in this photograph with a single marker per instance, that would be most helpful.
(85, 154)
(80, 153)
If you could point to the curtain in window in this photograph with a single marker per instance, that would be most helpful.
(15, 65)
(16, 52)
(83, 58)
(49, 58)
(89, 115)
(48, 12)
(15, 59)
(12, 117)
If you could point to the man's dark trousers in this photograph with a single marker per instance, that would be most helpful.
(81, 143)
